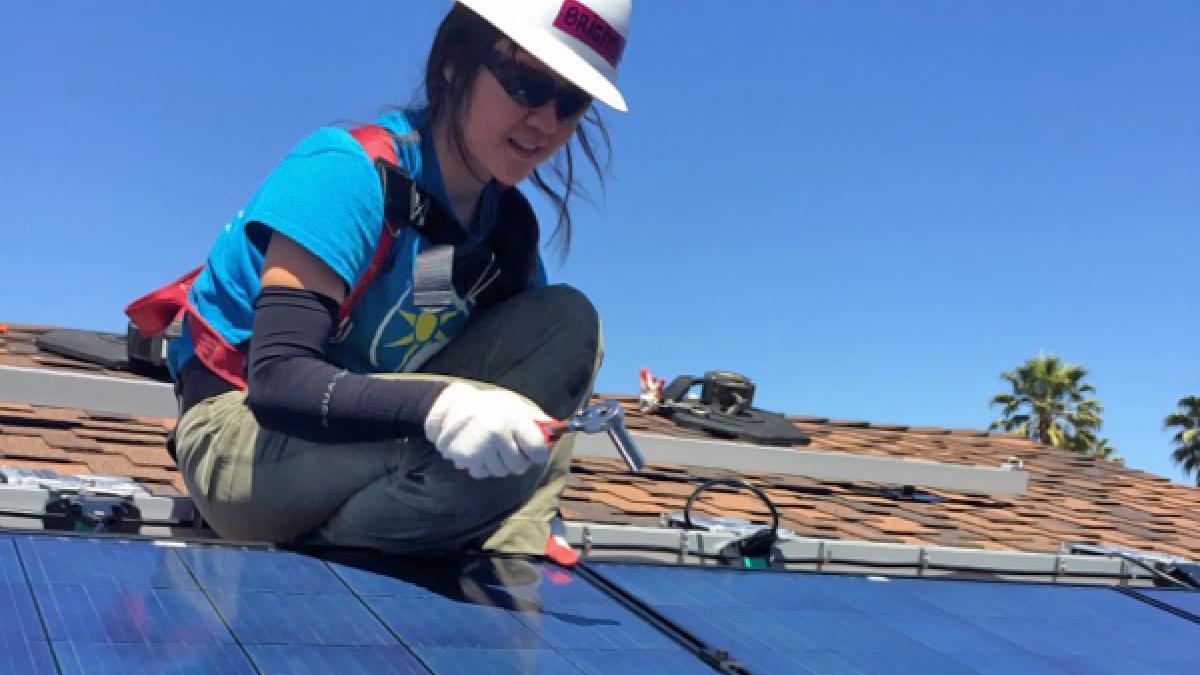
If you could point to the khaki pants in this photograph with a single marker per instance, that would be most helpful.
(400, 495)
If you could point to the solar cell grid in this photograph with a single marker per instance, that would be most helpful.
(149, 659)
(101, 562)
(329, 619)
(10, 564)
(798, 622)
(246, 569)
(19, 621)
(339, 659)
(80, 604)
(76, 604)
(26, 657)
(107, 614)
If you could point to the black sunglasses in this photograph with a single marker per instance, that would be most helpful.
(533, 88)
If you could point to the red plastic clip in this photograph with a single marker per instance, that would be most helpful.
(559, 551)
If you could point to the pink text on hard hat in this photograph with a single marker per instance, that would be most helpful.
(576, 20)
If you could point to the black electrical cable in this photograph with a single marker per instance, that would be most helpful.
(731, 482)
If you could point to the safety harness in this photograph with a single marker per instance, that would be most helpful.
(454, 270)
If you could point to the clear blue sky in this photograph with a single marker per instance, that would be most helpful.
(871, 208)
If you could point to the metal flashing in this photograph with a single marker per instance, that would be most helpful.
(41, 386)
(815, 464)
(141, 397)
(600, 541)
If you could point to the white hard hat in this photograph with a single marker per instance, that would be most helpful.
(581, 40)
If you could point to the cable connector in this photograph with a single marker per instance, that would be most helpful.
(756, 551)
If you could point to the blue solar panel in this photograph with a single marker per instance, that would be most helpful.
(283, 598)
(19, 621)
(26, 657)
(268, 617)
(105, 562)
(10, 564)
(1187, 601)
(509, 616)
(110, 614)
(634, 661)
(23, 644)
(338, 659)
(244, 569)
(477, 661)
(799, 622)
(150, 659)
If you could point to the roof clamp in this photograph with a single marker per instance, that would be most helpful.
(922, 561)
(90, 512)
(82, 502)
(683, 547)
(757, 550)
(1166, 569)
(587, 541)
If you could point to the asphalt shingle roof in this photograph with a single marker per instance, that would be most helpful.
(1070, 497)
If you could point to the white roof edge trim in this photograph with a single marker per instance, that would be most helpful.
(41, 386)
(843, 466)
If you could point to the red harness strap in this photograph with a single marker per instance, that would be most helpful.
(155, 311)
(377, 141)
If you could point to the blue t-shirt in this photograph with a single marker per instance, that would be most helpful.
(325, 195)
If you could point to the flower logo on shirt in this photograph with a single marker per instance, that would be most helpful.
(426, 329)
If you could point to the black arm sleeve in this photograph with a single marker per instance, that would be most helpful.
(293, 389)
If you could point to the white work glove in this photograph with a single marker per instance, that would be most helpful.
(487, 432)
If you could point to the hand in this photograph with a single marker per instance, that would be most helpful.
(487, 432)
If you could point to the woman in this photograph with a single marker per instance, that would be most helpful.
(415, 424)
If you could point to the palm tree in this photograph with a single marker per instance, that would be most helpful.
(1105, 451)
(1187, 439)
(1049, 404)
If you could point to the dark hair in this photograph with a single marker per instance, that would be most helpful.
(462, 42)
